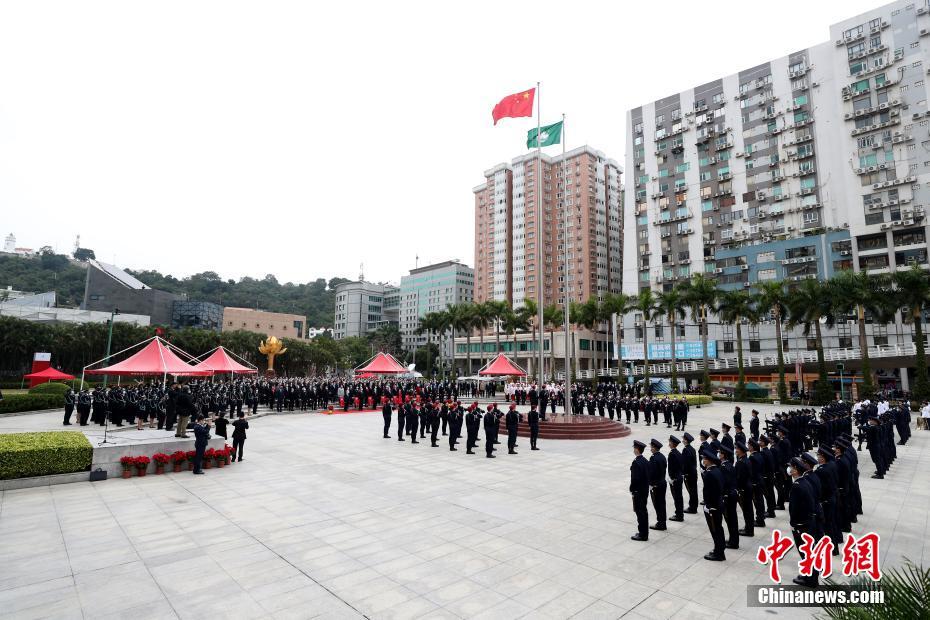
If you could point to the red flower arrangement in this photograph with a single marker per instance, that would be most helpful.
(142, 463)
(208, 457)
(127, 462)
(161, 458)
(190, 459)
(179, 459)
(227, 450)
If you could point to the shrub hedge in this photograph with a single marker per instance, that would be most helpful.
(14, 403)
(50, 388)
(24, 455)
(696, 399)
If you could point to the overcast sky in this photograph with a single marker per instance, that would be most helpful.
(304, 138)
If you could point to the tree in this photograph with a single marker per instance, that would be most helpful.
(645, 304)
(460, 316)
(552, 318)
(700, 295)
(861, 294)
(497, 310)
(912, 292)
(588, 315)
(480, 320)
(443, 324)
(619, 304)
(514, 322)
(771, 298)
(529, 311)
(808, 303)
(84, 254)
(735, 307)
(429, 323)
(387, 338)
(671, 305)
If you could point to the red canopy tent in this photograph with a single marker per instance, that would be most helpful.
(156, 358)
(49, 374)
(220, 362)
(502, 366)
(382, 364)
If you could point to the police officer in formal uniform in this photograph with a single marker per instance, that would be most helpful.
(713, 503)
(689, 464)
(676, 478)
(472, 427)
(386, 411)
(639, 489)
(657, 483)
(532, 420)
(744, 489)
(730, 495)
(491, 424)
(512, 420)
(802, 513)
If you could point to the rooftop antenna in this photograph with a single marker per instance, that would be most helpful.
(361, 272)
(416, 261)
(77, 243)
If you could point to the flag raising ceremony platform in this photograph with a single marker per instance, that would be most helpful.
(560, 426)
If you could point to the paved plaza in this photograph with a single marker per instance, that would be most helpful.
(324, 518)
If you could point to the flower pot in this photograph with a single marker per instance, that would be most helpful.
(127, 473)
(140, 471)
(207, 465)
(159, 470)
(228, 460)
(221, 463)
(190, 466)
(177, 467)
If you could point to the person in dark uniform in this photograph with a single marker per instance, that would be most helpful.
(713, 503)
(676, 478)
(843, 503)
(386, 412)
(739, 436)
(491, 423)
(657, 483)
(727, 440)
(512, 420)
(456, 419)
(802, 514)
(171, 407)
(827, 473)
(240, 425)
(689, 463)
(737, 416)
(758, 466)
(432, 422)
(768, 475)
(401, 420)
(744, 489)
(754, 425)
(730, 495)
(705, 445)
(185, 409)
(413, 417)
(69, 406)
(472, 427)
(784, 453)
(639, 489)
(220, 422)
(532, 419)
(444, 417)
(201, 438)
(876, 450)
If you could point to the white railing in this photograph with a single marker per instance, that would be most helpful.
(756, 361)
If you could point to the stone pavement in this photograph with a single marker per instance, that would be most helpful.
(324, 518)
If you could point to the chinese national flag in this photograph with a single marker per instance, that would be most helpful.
(514, 106)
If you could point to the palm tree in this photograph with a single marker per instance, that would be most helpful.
(588, 315)
(736, 307)
(861, 293)
(459, 321)
(553, 317)
(429, 323)
(498, 309)
(529, 311)
(443, 324)
(807, 304)
(512, 323)
(912, 290)
(671, 305)
(619, 304)
(645, 304)
(481, 318)
(700, 295)
(771, 298)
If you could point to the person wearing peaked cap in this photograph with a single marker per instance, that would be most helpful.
(714, 433)
(532, 420)
(727, 440)
(758, 466)
(730, 496)
(491, 424)
(639, 489)
(713, 503)
(754, 424)
(826, 472)
(739, 435)
(512, 420)
(676, 478)
(689, 465)
(770, 464)
(472, 427)
(844, 511)
(737, 415)
(802, 513)
(657, 483)
(744, 489)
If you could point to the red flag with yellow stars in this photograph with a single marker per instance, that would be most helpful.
(514, 106)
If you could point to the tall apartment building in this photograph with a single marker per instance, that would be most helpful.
(362, 307)
(505, 228)
(430, 289)
(795, 168)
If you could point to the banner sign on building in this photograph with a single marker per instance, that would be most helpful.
(687, 350)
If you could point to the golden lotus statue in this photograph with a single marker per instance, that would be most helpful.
(270, 348)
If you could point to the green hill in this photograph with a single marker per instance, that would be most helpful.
(54, 272)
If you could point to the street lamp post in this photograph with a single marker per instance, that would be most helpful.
(109, 341)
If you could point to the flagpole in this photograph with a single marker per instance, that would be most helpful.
(565, 237)
(539, 268)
